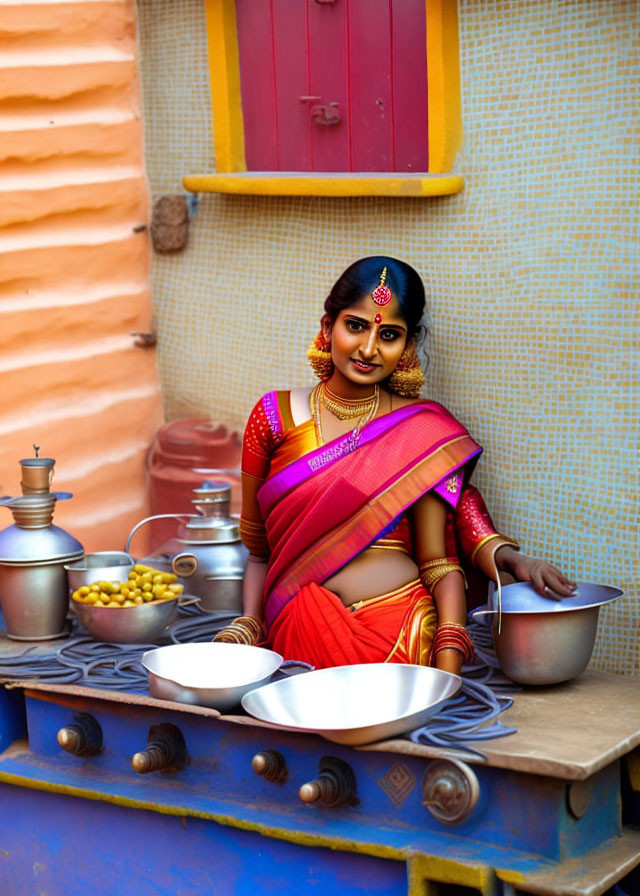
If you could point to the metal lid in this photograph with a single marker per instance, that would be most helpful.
(37, 462)
(20, 546)
(213, 498)
(213, 524)
(221, 534)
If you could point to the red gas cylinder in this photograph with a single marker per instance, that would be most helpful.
(186, 453)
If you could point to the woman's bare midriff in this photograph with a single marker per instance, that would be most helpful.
(374, 572)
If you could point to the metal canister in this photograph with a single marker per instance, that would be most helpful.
(34, 593)
(208, 551)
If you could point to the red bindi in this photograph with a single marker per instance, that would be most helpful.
(378, 318)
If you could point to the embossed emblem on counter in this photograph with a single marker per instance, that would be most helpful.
(398, 783)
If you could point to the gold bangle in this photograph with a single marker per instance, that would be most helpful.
(505, 541)
(437, 561)
(431, 576)
(243, 630)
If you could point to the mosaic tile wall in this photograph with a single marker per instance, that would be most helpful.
(531, 272)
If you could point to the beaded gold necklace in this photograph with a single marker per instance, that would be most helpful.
(348, 408)
(365, 409)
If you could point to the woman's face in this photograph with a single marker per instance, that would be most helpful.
(367, 340)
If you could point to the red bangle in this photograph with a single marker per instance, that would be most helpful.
(453, 636)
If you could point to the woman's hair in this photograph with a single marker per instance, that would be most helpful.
(362, 277)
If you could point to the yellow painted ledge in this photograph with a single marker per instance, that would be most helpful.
(263, 184)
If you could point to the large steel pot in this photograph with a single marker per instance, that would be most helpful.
(207, 552)
(540, 641)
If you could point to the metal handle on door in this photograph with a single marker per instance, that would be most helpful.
(326, 115)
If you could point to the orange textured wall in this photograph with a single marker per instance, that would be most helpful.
(74, 263)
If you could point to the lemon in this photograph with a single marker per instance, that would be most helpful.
(176, 589)
(140, 567)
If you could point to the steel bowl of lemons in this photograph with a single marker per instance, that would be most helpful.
(135, 611)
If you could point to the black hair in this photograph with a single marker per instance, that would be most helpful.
(363, 276)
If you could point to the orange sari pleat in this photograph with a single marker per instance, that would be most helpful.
(317, 628)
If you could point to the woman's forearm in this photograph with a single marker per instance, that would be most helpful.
(451, 605)
(450, 599)
(253, 586)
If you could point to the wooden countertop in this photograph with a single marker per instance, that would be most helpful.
(565, 731)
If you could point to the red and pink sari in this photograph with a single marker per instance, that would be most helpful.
(327, 506)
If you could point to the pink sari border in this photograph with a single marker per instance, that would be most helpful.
(275, 488)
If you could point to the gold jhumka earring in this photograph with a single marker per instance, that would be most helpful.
(407, 379)
(319, 356)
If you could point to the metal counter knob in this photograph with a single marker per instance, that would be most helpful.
(166, 751)
(310, 792)
(334, 786)
(271, 765)
(450, 789)
(83, 737)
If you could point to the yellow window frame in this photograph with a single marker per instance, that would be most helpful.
(445, 121)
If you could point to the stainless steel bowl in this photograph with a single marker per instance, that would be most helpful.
(215, 675)
(543, 641)
(141, 624)
(355, 704)
(103, 566)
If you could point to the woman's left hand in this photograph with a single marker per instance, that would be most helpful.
(543, 575)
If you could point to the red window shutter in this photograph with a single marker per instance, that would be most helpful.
(334, 86)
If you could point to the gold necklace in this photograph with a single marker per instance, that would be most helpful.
(349, 401)
(314, 404)
(348, 408)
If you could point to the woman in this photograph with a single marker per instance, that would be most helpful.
(355, 496)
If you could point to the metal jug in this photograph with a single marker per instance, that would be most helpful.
(34, 593)
(207, 551)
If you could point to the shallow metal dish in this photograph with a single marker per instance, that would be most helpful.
(215, 675)
(355, 704)
(103, 566)
(141, 624)
(543, 641)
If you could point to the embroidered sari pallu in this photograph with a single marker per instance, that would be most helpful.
(326, 507)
